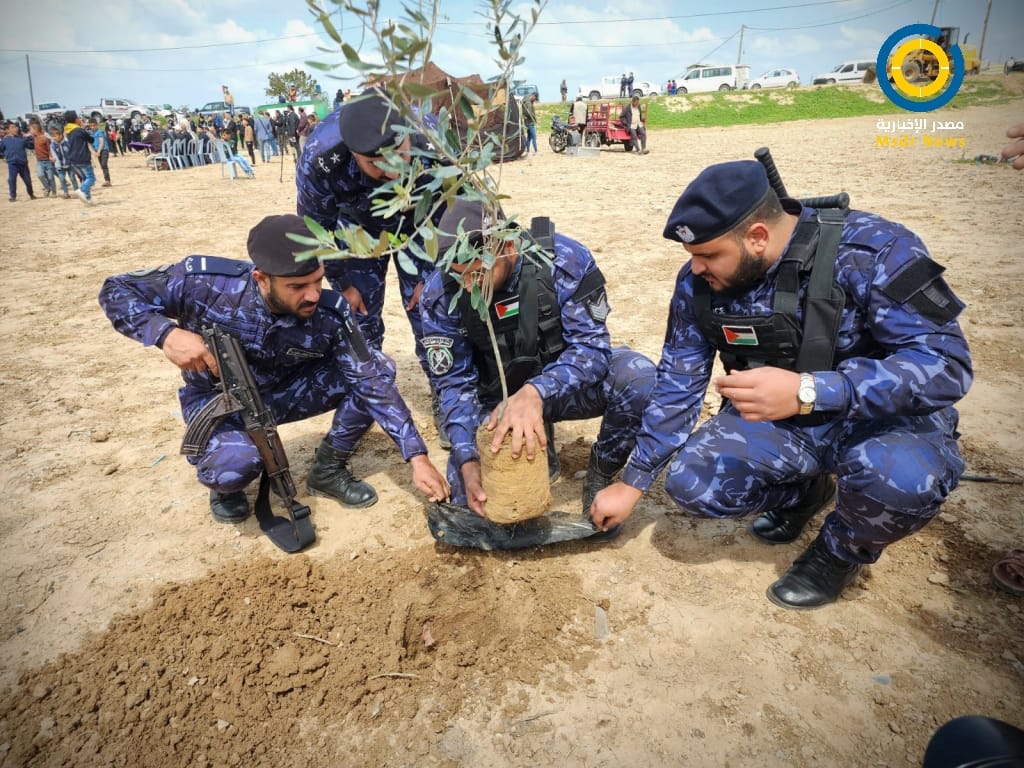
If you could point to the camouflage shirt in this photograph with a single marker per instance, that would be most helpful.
(890, 358)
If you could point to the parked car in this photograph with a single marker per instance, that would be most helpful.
(1013, 65)
(522, 90)
(847, 72)
(47, 111)
(219, 108)
(610, 85)
(775, 78)
(114, 109)
(708, 79)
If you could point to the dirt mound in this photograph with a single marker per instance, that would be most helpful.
(294, 657)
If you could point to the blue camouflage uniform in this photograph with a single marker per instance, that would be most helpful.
(587, 380)
(302, 367)
(333, 191)
(891, 432)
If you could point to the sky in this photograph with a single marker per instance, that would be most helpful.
(181, 51)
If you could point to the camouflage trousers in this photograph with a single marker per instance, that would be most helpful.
(369, 277)
(231, 460)
(619, 400)
(892, 475)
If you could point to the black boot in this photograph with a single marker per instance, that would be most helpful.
(815, 579)
(600, 474)
(782, 526)
(330, 476)
(442, 434)
(554, 463)
(229, 507)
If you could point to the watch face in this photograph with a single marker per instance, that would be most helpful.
(806, 394)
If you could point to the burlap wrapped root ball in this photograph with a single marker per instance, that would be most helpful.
(517, 489)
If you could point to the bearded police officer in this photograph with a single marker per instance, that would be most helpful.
(549, 317)
(305, 350)
(338, 178)
(843, 357)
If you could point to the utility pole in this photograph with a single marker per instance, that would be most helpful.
(935, 10)
(984, 30)
(31, 95)
(739, 56)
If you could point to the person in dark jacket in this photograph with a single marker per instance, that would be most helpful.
(16, 148)
(80, 155)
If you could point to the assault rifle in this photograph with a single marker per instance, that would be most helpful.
(240, 395)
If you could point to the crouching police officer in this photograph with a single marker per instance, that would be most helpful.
(843, 356)
(549, 319)
(303, 346)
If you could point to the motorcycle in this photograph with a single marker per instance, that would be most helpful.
(561, 134)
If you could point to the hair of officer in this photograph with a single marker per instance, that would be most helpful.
(769, 211)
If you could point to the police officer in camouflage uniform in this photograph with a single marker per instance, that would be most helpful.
(549, 317)
(874, 408)
(305, 351)
(337, 179)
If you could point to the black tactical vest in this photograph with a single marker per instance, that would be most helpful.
(527, 322)
(778, 339)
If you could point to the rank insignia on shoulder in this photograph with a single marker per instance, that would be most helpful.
(308, 354)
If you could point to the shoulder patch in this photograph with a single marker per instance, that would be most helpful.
(597, 305)
(150, 271)
(439, 354)
(215, 265)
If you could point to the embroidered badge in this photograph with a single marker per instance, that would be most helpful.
(740, 335)
(507, 308)
(308, 354)
(598, 307)
(685, 234)
(439, 354)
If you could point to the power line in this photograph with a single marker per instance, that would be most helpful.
(172, 48)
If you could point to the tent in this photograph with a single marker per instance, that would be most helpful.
(506, 115)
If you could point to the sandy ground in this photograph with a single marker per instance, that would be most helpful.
(135, 631)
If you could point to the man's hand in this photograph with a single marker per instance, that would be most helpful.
(354, 299)
(188, 351)
(474, 484)
(428, 480)
(1016, 149)
(613, 505)
(762, 394)
(524, 418)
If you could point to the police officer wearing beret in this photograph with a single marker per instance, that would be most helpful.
(305, 351)
(337, 179)
(843, 357)
(549, 316)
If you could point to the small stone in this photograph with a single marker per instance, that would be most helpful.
(895, 727)
(223, 725)
(1007, 655)
(99, 436)
(193, 680)
(938, 578)
(601, 630)
(110, 469)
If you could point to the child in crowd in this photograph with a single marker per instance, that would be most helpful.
(61, 166)
(233, 157)
(44, 158)
(16, 149)
(80, 154)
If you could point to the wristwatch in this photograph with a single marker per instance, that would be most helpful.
(806, 394)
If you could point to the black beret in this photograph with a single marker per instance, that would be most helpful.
(476, 222)
(716, 201)
(366, 123)
(273, 252)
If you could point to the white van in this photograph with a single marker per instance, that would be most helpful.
(707, 79)
(847, 72)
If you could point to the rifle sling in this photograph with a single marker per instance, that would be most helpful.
(291, 534)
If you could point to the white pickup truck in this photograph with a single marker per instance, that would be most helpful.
(610, 88)
(115, 109)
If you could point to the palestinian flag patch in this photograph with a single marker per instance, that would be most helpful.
(508, 308)
(740, 335)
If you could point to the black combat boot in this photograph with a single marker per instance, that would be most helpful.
(600, 474)
(229, 507)
(782, 526)
(435, 409)
(330, 476)
(816, 578)
(554, 463)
